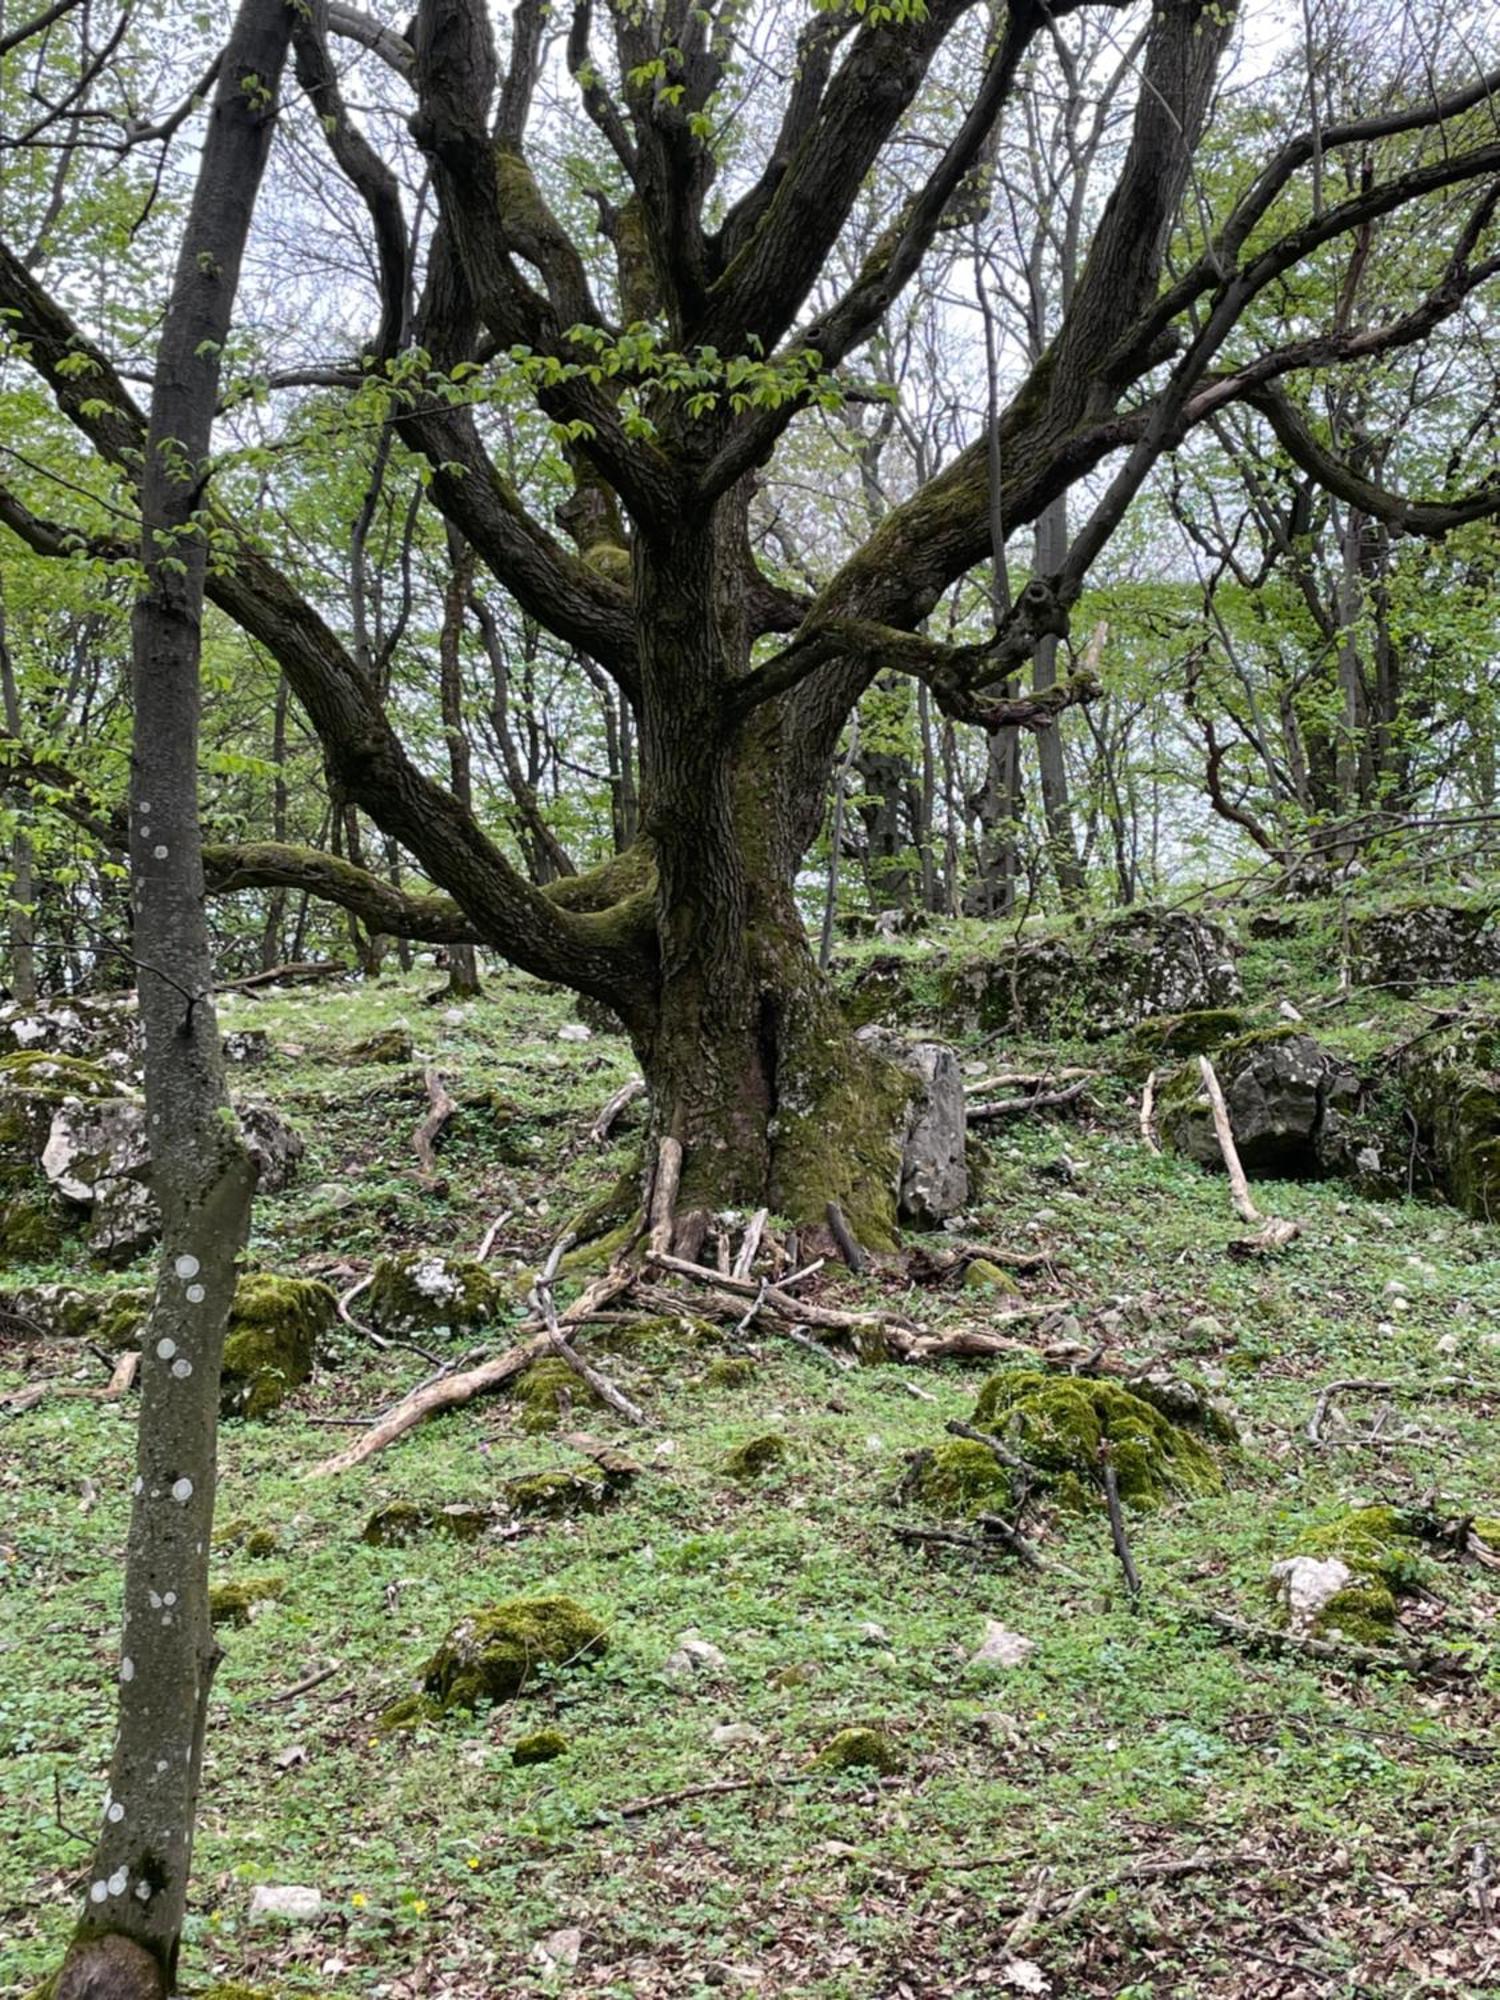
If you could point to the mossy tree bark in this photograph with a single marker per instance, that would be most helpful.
(126, 1943)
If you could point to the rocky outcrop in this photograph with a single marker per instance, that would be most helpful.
(1290, 1103)
(1452, 1086)
(934, 1178)
(1419, 944)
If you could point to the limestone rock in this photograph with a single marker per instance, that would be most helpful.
(1289, 1102)
(290, 1900)
(418, 1291)
(934, 1177)
(1000, 1647)
(1427, 943)
(391, 1045)
(1305, 1584)
(275, 1324)
(694, 1656)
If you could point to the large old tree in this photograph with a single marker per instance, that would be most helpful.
(672, 308)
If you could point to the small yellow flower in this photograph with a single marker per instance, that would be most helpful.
(473, 1860)
(359, 1901)
(419, 1908)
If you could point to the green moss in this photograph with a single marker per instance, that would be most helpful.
(31, 1229)
(860, 1749)
(1486, 1528)
(542, 1746)
(1362, 1613)
(1058, 1423)
(654, 1341)
(556, 1495)
(274, 1328)
(961, 1478)
(1378, 1543)
(980, 1275)
(390, 1045)
(491, 1655)
(729, 1371)
(401, 1522)
(1194, 1033)
(755, 1456)
(234, 1603)
(410, 1712)
(420, 1291)
(839, 1127)
(545, 1390)
(56, 1077)
(248, 1539)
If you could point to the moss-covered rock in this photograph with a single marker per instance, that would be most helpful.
(729, 1371)
(274, 1329)
(756, 1455)
(32, 1230)
(410, 1712)
(859, 1749)
(1161, 1037)
(402, 1521)
(390, 1045)
(33, 1086)
(546, 1391)
(1380, 1544)
(422, 1291)
(247, 1539)
(1363, 1614)
(542, 1746)
(234, 1603)
(984, 1277)
(491, 1655)
(1452, 1087)
(1290, 1102)
(558, 1495)
(1186, 1401)
(960, 1477)
(1059, 1422)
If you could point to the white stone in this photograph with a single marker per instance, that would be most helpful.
(575, 1031)
(559, 1951)
(694, 1656)
(270, 1899)
(1000, 1647)
(1306, 1584)
(735, 1735)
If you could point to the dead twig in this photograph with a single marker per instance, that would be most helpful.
(1044, 1906)
(488, 1240)
(604, 1124)
(601, 1385)
(662, 1213)
(750, 1244)
(305, 1686)
(1015, 1107)
(1117, 1526)
(1362, 1385)
(432, 1127)
(1361, 1659)
(843, 1236)
(715, 1788)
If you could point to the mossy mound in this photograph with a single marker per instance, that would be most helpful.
(984, 1277)
(1187, 1402)
(756, 1455)
(31, 1229)
(860, 1749)
(1380, 1544)
(654, 1342)
(491, 1655)
(557, 1495)
(234, 1603)
(542, 1746)
(422, 1291)
(1198, 1032)
(1059, 1422)
(249, 1540)
(33, 1085)
(960, 1478)
(402, 1521)
(390, 1045)
(1452, 1086)
(1363, 1614)
(546, 1392)
(729, 1371)
(274, 1329)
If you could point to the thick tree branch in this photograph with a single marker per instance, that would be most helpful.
(385, 911)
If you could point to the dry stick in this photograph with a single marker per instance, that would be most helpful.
(1148, 1114)
(800, 1338)
(749, 1249)
(664, 1197)
(305, 1686)
(1266, 1639)
(380, 1340)
(431, 1128)
(714, 1789)
(281, 975)
(601, 1385)
(1018, 1079)
(1117, 1526)
(123, 1375)
(602, 1126)
(1446, 1384)
(1013, 1107)
(487, 1241)
(451, 1390)
(1275, 1233)
(1012, 1461)
(849, 1250)
(1065, 1909)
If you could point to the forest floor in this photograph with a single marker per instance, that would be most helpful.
(1141, 1807)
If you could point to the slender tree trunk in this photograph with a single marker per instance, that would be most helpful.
(463, 962)
(272, 942)
(128, 1935)
(22, 928)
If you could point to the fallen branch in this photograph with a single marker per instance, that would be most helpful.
(1362, 1385)
(305, 1686)
(434, 1124)
(1117, 1526)
(488, 1240)
(1363, 1659)
(449, 1391)
(604, 1124)
(601, 1385)
(843, 1236)
(122, 1375)
(714, 1788)
(282, 975)
(1013, 1107)
(1274, 1234)
(1046, 1906)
